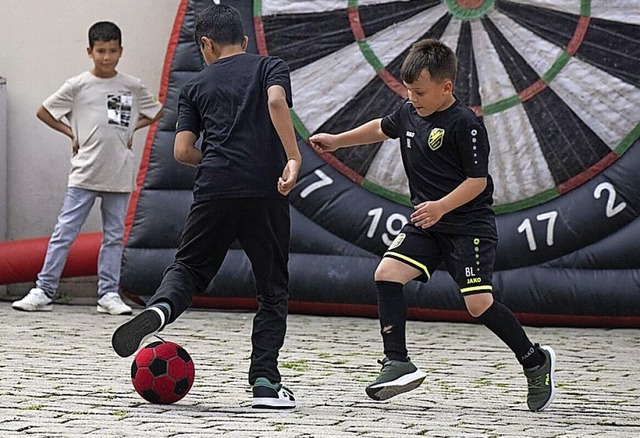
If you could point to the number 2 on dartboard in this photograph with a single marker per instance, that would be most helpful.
(611, 209)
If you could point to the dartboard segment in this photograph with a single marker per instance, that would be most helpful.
(305, 32)
(610, 37)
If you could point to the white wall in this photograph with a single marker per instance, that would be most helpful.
(3, 160)
(42, 43)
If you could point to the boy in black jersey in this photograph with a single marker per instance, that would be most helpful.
(248, 163)
(445, 152)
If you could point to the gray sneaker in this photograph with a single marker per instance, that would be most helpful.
(395, 378)
(540, 381)
(35, 301)
(267, 395)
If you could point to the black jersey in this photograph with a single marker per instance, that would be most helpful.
(438, 153)
(227, 103)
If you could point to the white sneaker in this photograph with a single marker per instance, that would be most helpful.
(35, 301)
(112, 303)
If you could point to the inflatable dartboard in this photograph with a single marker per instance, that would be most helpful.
(557, 85)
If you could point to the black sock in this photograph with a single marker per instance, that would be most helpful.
(392, 311)
(501, 321)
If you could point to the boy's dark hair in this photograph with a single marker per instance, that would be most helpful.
(104, 31)
(433, 55)
(220, 23)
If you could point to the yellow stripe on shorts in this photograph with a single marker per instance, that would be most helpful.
(409, 261)
(466, 290)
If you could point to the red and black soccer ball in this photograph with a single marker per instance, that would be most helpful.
(162, 372)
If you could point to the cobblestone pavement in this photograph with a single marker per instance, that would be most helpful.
(60, 378)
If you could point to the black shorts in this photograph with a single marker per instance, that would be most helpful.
(468, 259)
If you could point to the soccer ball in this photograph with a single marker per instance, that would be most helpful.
(162, 372)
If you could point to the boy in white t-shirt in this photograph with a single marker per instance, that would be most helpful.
(99, 111)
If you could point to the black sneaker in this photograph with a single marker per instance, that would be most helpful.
(267, 395)
(395, 378)
(540, 381)
(130, 336)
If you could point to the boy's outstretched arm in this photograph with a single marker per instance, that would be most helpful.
(281, 119)
(58, 125)
(370, 132)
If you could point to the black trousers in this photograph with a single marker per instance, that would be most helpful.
(262, 226)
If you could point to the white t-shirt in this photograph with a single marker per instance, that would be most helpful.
(102, 114)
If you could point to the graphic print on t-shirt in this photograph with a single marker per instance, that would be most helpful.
(119, 108)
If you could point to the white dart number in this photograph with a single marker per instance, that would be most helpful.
(394, 224)
(526, 227)
(325, 180)
(611, 209)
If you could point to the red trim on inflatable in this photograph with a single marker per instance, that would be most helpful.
(258, 30)
(151, 134)
(21, 260)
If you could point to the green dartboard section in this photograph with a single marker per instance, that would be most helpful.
(557, 86)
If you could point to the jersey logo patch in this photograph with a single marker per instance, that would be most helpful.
(436, 136)
(397, 241)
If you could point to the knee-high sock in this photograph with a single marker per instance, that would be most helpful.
(392, 311)
(500, 320)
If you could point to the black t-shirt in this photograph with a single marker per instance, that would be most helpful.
(439, 152)
(227, 103)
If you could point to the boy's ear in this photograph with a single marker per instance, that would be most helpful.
(206, 43)
(245, 42)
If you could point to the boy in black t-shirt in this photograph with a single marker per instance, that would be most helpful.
(445, 152)
(248, 163)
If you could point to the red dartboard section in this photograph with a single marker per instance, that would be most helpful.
(557, 86)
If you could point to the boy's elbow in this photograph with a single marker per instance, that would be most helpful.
(179, 155)
(278, 103)
(41, 113)
(159, 115)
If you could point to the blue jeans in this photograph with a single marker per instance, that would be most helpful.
(75, 210)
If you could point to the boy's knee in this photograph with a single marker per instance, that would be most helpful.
(478, 304)
(382, 273)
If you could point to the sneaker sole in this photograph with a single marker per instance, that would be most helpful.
(101, 309)
(47, 308)
(129, 336)
(552, 355)
(406, 383)
(271, 403)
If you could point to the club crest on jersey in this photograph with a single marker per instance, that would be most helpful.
(397, 241)
(436, 136)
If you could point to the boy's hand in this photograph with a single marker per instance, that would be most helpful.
(324, 142)
(289, 177)
(427, 214)
(74, 146)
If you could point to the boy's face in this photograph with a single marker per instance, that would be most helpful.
(429, 96)
(105, 56)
